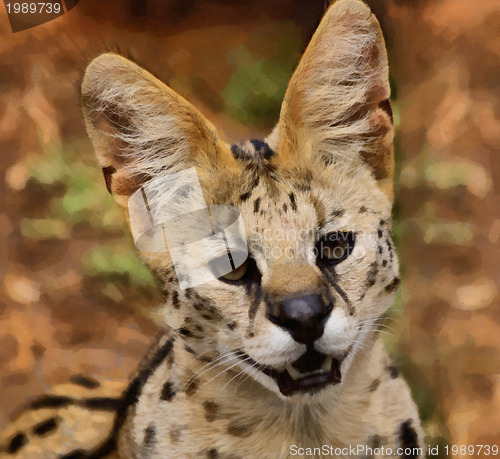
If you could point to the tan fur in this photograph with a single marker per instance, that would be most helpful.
(326, 169)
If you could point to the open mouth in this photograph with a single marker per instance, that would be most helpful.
(309, 374)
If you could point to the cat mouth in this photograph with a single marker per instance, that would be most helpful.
(309, 374)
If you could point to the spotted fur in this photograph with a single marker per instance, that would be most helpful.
(206, 389)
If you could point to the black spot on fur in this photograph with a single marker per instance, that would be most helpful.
(149, 436)
(256, 205)
(384, 263)
(362, 209)
(262, 149)
(84, 381)
(167, 392)
(245, 196)
(232, 325)
(236, 151)
(389, 247)
(44, 427)
(239, 430)
(17, 442)
(79, 454)
(258, 153)
(292, 202)
(175, 434)
(408, 438)
(375, 441)
(393, 285)
(379, 249)
(206, 317)
(285, 208)
(175, 300)
(382, 222)
(211, 409)
(374, 385)
(189, 349)
(337, 213)
(372, 274)
(379, 233)
(393, 371)
(185, 331)
(212, 454)
(192, 387)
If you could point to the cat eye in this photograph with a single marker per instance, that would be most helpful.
(334, 247)
(246, 272)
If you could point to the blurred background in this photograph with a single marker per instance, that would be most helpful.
(70, 277)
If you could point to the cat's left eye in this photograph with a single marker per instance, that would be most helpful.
(334, 247)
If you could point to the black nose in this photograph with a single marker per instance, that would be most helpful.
(304, 317)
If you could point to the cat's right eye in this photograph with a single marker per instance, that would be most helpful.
(245, 272)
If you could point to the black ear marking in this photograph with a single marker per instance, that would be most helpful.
(108, 172)
(386, 106)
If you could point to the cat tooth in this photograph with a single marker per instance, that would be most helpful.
(295, 374)
(327, 364)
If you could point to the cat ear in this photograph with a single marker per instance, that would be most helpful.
(139, 127)
(336, 107)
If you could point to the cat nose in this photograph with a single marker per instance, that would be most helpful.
(304, 317)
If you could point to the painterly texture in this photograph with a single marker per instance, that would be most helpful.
(60, 258)
(285, 349)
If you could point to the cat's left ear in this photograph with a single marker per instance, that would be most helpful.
(336, 107)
